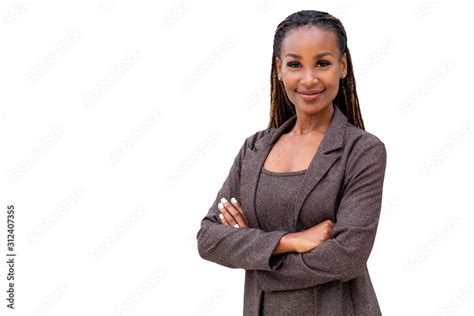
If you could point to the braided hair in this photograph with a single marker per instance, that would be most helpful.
(281, 108)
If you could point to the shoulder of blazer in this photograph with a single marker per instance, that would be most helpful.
(252, 139)
(249, 144)
(362, 149)
(359, 138)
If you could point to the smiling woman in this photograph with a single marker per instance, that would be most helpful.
(300, 206)
(306, 76)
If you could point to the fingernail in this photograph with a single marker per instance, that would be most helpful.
(220, 206)
(221, 216)
(236, 226)
(233, 200)
(223, 200)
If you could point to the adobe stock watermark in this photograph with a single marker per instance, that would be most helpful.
(425, 8)
(255, 97)
(200, 70)
(446, 149)
(50, 300)
(120, 230)
(424, 251)
(457, 300)
(10, 256)
(113, 76)
(343, 9)
(174, 15)
(430, 83)
(107, 5)
(375, 57)
(43, 145)
(196, 154)
(60, 211)
(266, 6)
(209, 305)
(389, 206)
(143, 289)
(15, 11)
(136, 134)
(55, 53)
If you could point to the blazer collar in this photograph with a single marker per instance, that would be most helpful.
(333, 138)
(325, 157)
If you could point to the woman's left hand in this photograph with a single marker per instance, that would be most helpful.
(231, 214)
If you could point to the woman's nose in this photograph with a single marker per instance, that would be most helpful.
(310, 77)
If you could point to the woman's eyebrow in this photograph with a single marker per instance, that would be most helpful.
(316, 56)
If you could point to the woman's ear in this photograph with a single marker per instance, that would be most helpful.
(344, 64)
(278, 66)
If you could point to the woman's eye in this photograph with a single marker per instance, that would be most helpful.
(295, 64)
(324, 63)
(291, 64)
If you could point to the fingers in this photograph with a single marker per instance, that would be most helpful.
(236, 204)
(232, 214)
(226, 217)
(329, 225)
(221, 216)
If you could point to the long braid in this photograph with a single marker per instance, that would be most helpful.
(281, 108)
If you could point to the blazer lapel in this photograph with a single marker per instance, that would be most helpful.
(252, 166)
(324, 158)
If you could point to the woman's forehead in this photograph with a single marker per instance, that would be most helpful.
(309, 40)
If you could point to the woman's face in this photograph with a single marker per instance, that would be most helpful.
(310, 69)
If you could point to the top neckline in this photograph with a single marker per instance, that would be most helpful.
(286, 173)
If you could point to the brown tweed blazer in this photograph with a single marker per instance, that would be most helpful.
(344, 183)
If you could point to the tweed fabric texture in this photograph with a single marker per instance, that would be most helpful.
(344, 183)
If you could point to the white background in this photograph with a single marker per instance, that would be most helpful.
(119, 121)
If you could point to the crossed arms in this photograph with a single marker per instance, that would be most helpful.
(342, 257)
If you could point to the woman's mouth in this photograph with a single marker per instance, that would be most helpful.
(309, 96)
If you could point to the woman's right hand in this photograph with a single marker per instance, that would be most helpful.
(312, 237)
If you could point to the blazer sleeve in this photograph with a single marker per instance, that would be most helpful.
(246, 248)
(344, 256)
